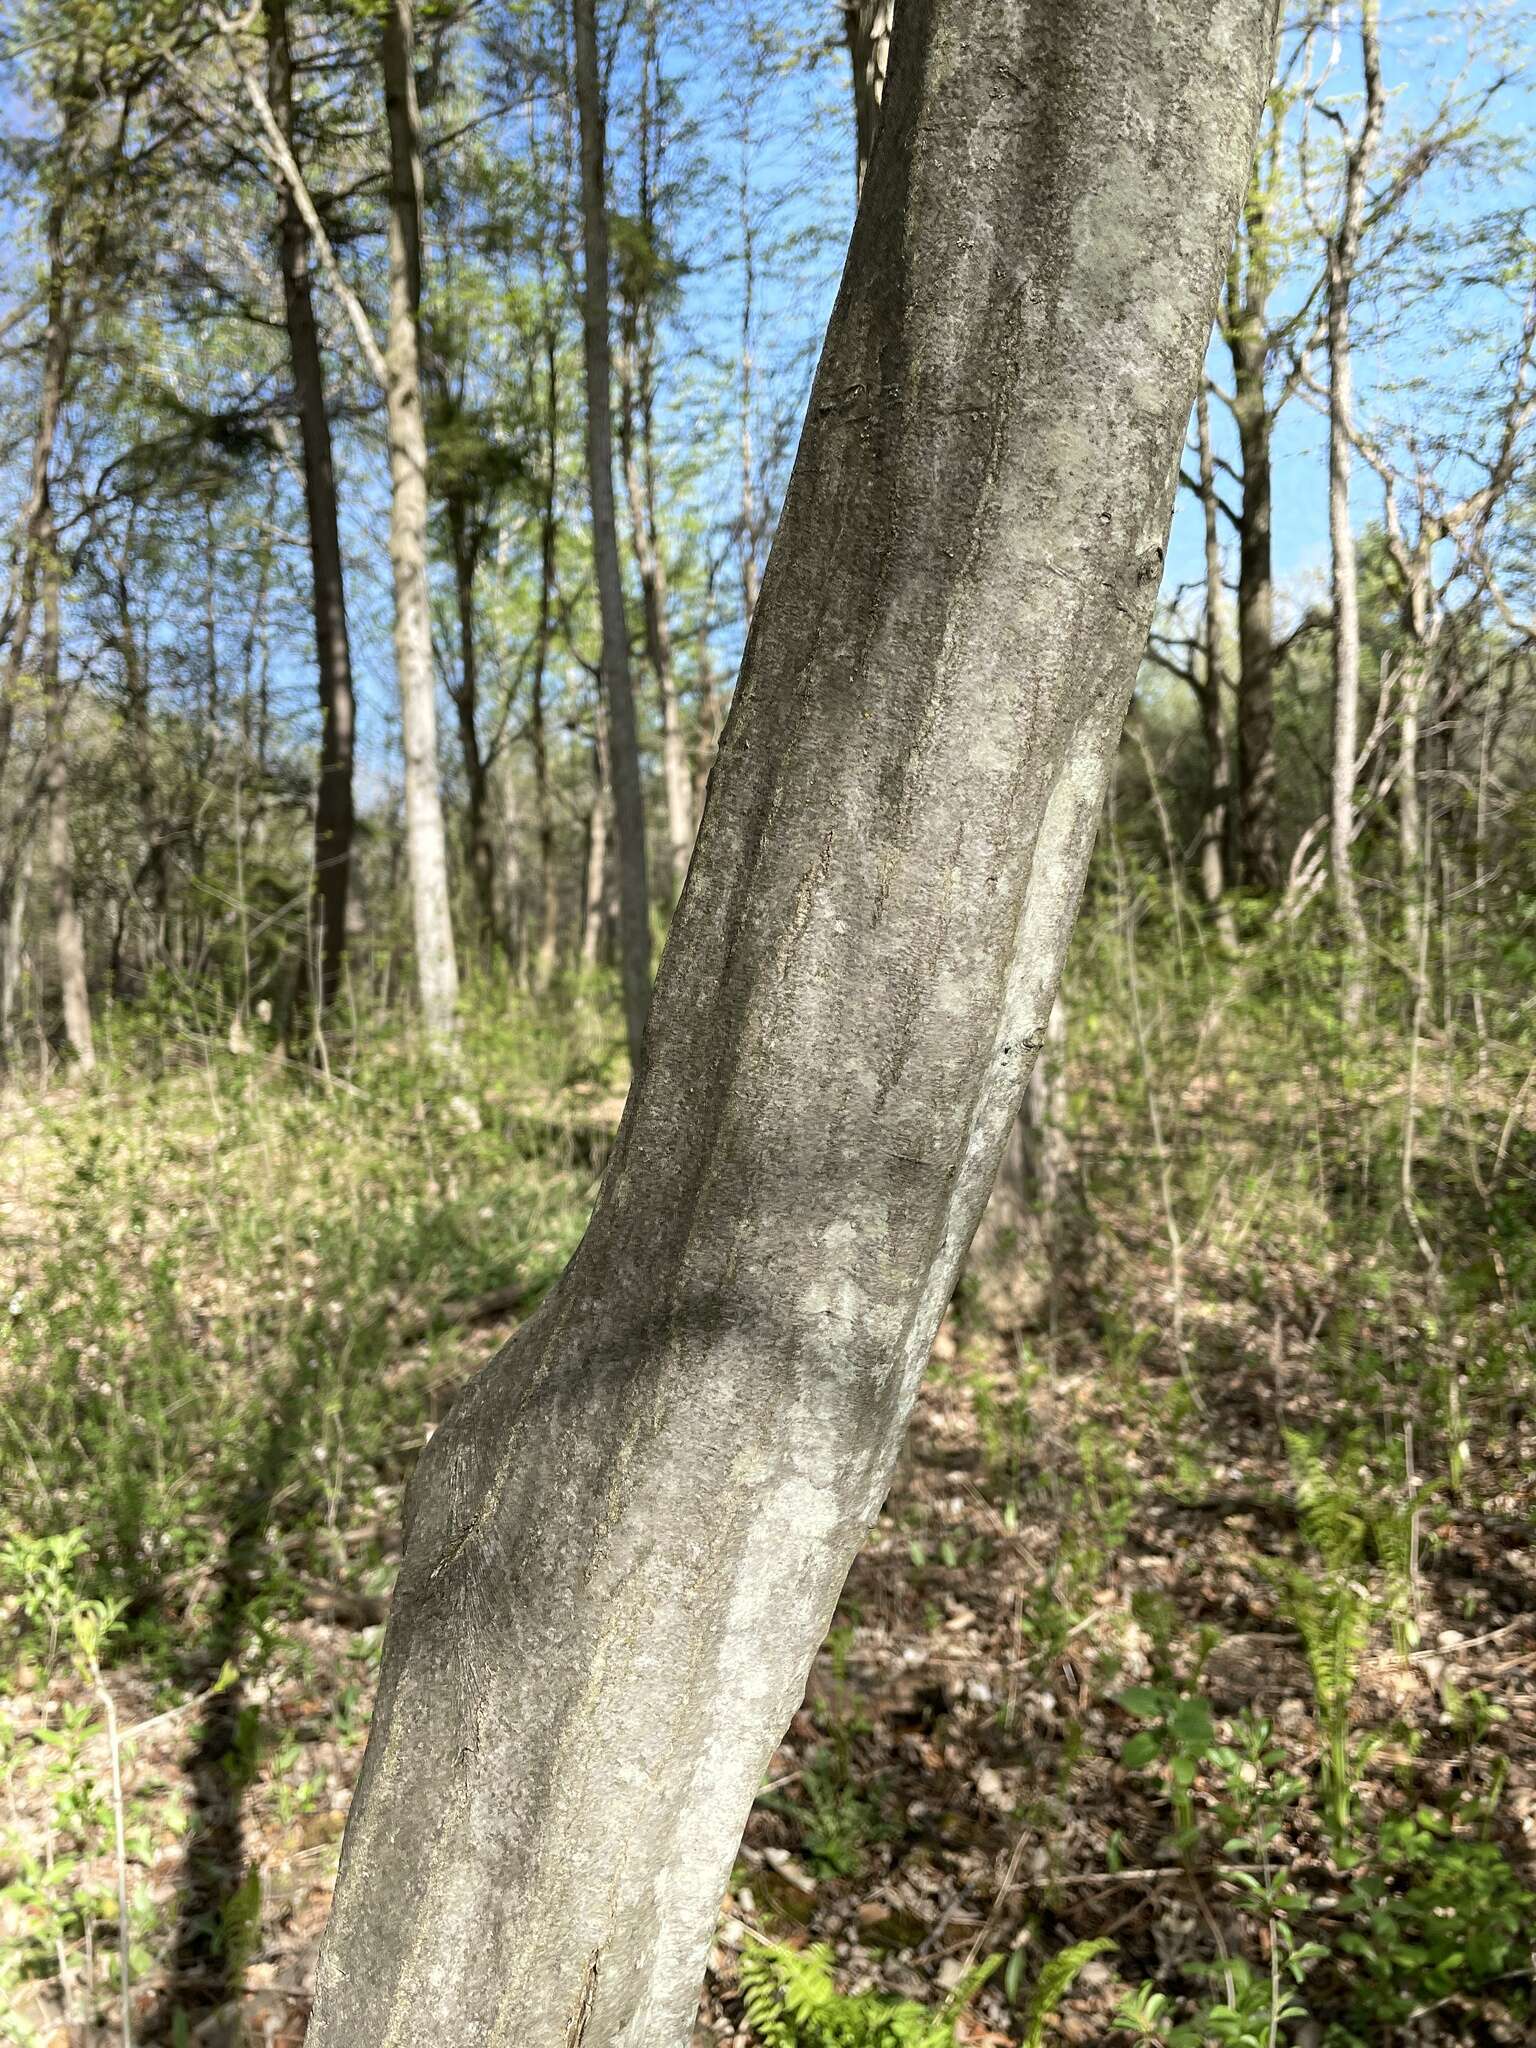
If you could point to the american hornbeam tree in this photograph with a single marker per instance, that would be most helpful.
(625, 1543)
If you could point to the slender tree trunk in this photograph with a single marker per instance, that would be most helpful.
(627, 1540)
(149, 890)
(514, 925)
(623, 739)
(707, 739)
(549, 882)
(1215, 829)
(13, 925)
(479, 847)
(1343, 254)
(426, 838)
(334, 819)
(638, 452)
(68, 931)
(658, 628)
(37, 518)
(594, 888)
(750, 579)
(1247, 335)
(1413, 687)
(868, 27)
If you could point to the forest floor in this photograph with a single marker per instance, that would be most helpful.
(1200, 1621)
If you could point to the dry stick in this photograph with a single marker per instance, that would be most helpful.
(120, 1841)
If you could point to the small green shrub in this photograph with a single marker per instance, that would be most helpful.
(1438, 1916)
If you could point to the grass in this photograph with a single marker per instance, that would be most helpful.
(1256, 1460)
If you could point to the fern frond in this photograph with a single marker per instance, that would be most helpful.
(1055, 1981)
(1330, 1505)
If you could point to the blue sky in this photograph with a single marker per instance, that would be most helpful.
(1425, 362)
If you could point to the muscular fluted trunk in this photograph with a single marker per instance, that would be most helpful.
(618, 693)
(1247, 336)
(868, 27)
(1215, 826)
(68, 931)
(1343, 254)
(626, 1542)
(426, 839)
(328, 603)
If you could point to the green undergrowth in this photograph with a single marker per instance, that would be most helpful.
(224, 1279)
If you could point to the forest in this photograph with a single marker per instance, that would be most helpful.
(767, 1023)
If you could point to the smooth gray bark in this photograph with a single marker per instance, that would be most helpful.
(618, 690)
(426, 838)
(1343, 256)
(627, 1540)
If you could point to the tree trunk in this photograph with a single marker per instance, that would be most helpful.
(658, 627)
(594, 889)
(513, 927)
(868, 27)
(1215, 829)
(627, 1540)
(13, 924)
(37, 522)
(68, 932)
(707, 738)
(149, 888)
(1343, 254)
(623, 740)
(750, 580)
(637, 377)
(333, 654)
(1247, 335)
(1044, 1124)
(549, 884)
(437, 971)
(1413, 687)
(479, 847)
